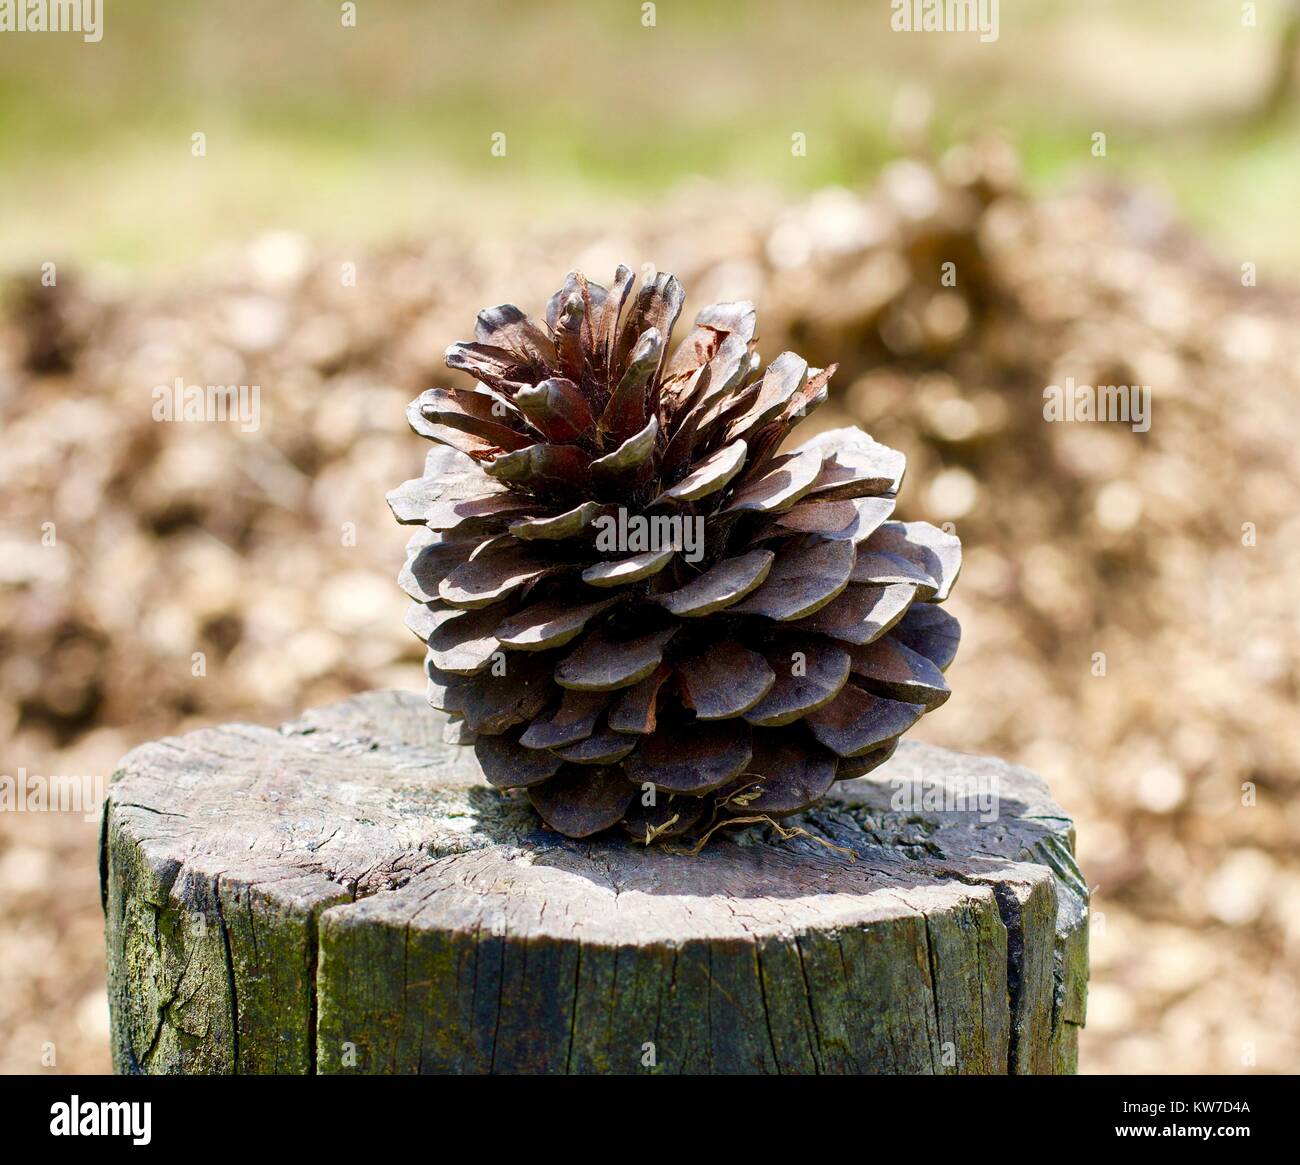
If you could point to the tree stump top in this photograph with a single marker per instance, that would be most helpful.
(268, 892)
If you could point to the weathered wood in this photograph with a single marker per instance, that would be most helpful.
(347, 894)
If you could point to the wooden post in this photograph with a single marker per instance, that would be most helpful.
(346, 894)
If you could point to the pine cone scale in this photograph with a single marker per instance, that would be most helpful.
(723, 681)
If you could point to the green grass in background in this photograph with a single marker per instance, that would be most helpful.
(365, 134)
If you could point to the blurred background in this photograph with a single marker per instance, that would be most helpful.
(1129, 599)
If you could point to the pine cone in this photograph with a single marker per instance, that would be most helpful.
(623, 584)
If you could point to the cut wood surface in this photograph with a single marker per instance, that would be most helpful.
(347, 894)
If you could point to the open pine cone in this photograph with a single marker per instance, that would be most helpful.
(636, 609)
